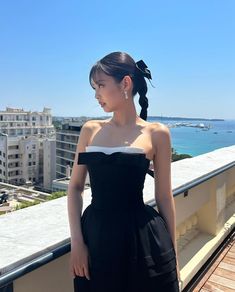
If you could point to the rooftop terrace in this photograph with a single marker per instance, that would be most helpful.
(35, 243)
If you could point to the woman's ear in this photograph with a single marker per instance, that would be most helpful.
(126, 83)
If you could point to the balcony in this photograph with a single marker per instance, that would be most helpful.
(36, 253)
(13, 168)
(13, 151)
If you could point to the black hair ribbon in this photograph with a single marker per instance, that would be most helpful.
(143, 68)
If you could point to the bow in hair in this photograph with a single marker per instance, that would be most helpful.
(143, 68)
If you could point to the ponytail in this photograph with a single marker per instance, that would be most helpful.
(143, 101)
(142, 71)
(140, 87)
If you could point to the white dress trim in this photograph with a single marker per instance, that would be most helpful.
(110, 150)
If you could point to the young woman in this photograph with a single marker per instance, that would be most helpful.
(119, 243)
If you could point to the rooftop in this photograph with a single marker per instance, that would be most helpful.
(204, 193)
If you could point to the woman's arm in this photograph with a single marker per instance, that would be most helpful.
(162, 167)
(75, 204)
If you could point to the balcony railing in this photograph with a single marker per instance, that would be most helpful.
(35, 257)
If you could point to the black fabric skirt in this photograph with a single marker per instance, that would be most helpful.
(129, 251)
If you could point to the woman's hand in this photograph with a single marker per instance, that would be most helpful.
(79, 262)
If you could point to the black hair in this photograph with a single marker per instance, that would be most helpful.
(118, 65)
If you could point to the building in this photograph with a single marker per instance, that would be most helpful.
(66, 143)
(15, 195)
(22, 136)
(49, 163)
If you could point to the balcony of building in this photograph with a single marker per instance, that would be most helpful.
(35, 254)
(13, 174)
(14, 153)
(14, 157)
(14, 167)
(63, 159)
(66, 147)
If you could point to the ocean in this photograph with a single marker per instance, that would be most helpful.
(196, 141)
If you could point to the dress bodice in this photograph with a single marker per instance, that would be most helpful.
(116, 178)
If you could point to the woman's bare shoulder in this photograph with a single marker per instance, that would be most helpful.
(89, 128)
(159, 132)
(157, 128)
(91, 124)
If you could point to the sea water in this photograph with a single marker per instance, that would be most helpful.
(195, 140)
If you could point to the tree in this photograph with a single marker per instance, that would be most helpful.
(175, 156)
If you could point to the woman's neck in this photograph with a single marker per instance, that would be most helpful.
(124, 118)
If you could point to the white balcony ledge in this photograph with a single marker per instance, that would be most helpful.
(208, 208)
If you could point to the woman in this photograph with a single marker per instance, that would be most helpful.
(119, 243)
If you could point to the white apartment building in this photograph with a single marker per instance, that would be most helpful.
(66, 144)
(49, 163)
(22, 136)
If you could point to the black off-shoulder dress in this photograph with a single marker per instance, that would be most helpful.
(130, 248)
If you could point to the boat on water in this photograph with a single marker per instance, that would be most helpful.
(201, 126)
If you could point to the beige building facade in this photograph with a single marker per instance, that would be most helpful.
(22, 146)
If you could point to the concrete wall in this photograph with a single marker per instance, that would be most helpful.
(53, 277)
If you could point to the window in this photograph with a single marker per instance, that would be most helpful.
(30, 155)
(30, 163)
(13, 147)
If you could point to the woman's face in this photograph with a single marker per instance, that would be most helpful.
(108, 92)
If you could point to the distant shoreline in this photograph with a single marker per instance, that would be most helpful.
(181, 118)
(149, 118)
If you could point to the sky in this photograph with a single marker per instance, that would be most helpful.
(47, 49)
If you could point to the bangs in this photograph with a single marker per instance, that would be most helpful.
(112, 65)
(95, 71)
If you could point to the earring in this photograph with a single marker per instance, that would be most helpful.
(126, 96)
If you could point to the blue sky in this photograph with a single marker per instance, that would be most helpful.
(48, 47)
